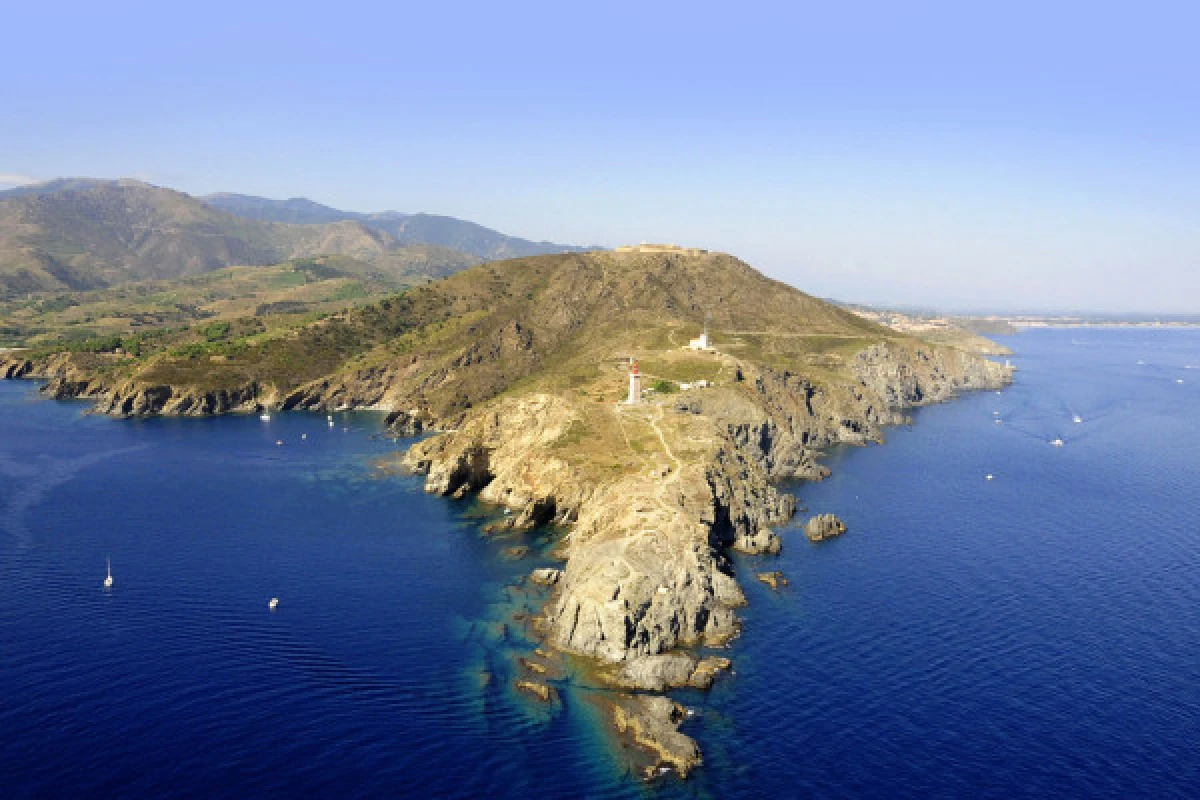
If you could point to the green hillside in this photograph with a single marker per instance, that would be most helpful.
(561, 321)
(293, 291)
(79, 235)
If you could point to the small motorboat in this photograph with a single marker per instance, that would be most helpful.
(273, 603)
(108, 580)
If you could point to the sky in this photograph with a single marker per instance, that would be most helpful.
(1039, 156)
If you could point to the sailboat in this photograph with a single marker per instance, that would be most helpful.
(108, 581)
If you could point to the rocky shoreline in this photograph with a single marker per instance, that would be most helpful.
(519, 365)
(646, 580)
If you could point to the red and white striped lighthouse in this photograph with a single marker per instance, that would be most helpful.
(635, 384)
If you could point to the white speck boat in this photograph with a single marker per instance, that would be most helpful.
(1077, 419)
(273, 603)
(108, 581)
(1058, 443)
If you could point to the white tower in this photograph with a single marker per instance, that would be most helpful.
(635, 384)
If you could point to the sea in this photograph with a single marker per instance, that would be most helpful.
(1035, 634)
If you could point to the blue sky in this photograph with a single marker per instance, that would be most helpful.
(1013, 155)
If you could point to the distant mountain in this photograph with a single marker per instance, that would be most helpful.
(297, 210)
(58, 185)
(456, 234)
(77, 234)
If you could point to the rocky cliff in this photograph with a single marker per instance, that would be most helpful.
(646, 575)
(645, 565)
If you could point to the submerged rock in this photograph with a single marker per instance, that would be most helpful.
(824, 526)
(535, 667)
(544, 693)
(773, 579)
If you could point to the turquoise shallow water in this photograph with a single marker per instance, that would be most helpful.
(1034, 635)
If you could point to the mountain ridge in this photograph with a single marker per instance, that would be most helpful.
(78, 234)
(419, 227)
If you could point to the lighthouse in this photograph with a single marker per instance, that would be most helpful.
(635, 384)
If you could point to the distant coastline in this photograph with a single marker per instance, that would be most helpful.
(928, 323)
(1068, 323)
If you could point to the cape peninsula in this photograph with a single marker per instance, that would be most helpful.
(520, 370)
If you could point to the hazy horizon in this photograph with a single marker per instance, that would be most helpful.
(934, 156)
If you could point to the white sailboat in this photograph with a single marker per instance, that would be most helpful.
(108, 581)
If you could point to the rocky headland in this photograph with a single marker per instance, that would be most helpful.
(523, 369)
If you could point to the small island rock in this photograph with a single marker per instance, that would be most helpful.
(824, 526)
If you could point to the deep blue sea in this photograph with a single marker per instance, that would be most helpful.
(1030, 636)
